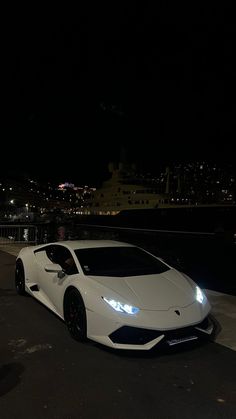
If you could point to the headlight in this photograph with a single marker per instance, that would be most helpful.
(199, 295)
(123, 308)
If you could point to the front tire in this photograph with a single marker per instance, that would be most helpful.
(75, 315)
(20, 278)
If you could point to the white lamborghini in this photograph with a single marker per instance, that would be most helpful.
(114, 293)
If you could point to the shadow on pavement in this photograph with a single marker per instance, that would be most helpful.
(10, 377)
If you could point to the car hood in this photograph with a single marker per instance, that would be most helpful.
(151, 292)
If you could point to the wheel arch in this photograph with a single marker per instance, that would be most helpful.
(67, 292)
(19, 260)
(77, 325)
(27, 258)
(20, 277)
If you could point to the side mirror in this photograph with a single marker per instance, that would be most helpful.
(53, 267)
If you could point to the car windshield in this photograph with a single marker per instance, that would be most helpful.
(118, 261)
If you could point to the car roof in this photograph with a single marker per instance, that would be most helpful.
(86, 244)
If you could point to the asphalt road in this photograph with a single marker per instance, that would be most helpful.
(44, 374)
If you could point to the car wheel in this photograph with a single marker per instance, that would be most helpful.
(75, 315)
(20, 278)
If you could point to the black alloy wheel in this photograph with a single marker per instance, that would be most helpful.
(20, 278)
(75, 315)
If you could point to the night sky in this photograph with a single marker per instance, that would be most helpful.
(159, 82)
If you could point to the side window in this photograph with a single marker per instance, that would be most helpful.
(50, 253)
(63, 257)
(70, 267)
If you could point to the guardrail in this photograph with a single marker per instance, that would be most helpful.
(148, 230)
(44, 233)
(25, 234)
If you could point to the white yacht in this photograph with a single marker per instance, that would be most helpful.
(125, 190)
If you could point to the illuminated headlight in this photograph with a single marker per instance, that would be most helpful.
(123, 308)
(199, 295)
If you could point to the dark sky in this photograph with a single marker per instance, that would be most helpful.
(82, 84)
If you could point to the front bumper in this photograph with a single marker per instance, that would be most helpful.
(147, 338)
(141, 338)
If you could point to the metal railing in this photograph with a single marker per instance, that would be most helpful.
(23, 234)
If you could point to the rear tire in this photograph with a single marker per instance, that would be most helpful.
(75, 315)
(20, 278)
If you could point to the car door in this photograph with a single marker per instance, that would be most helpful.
(50, 284)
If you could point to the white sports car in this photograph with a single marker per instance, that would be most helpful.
(114, 293)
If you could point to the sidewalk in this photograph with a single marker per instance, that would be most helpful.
(223, 307)
(224, 311)
(13, 249)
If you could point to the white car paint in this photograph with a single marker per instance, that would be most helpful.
(166, 301)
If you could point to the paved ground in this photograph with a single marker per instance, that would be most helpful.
(45, 374)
